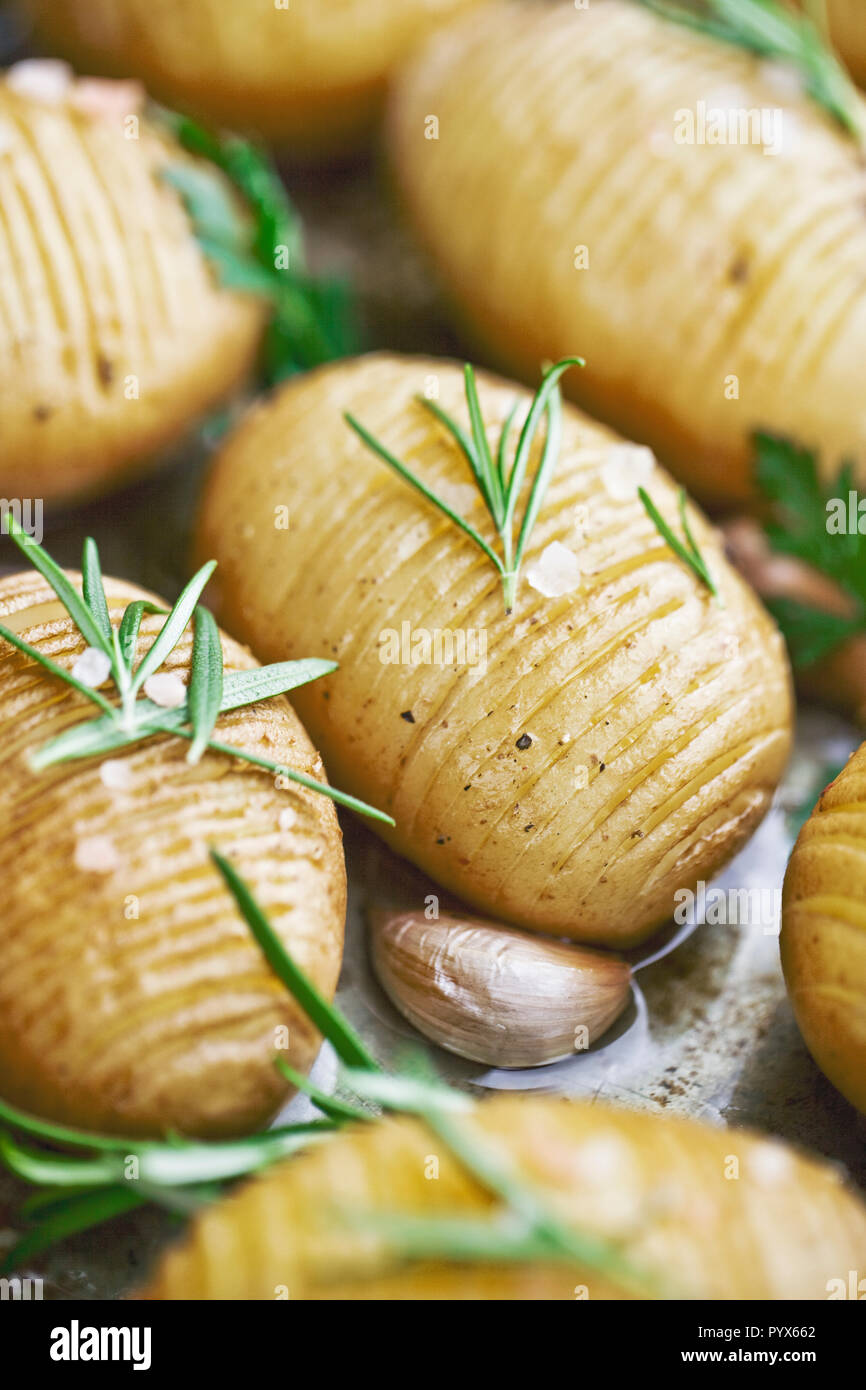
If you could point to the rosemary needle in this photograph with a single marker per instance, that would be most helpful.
(688, 552)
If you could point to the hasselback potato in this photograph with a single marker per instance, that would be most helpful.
(614, 744)
(133, 998)
(710, 1213)
(114, 336)
(306, 74)
(824, 931)
(556, 164)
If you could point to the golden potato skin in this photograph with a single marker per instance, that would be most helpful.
(309, 74)
(659, 720)
(101, 281)
(823, 937)
(134, 1000)
(782, 1229)
(706, 262)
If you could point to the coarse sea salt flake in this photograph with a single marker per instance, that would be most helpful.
(115, 774)
(43, 79)
(769, 1165)
(626, 468)
(165, 689)
(96, 854)
(555, 572)
(92, 667)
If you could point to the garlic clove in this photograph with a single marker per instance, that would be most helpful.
(496, 994)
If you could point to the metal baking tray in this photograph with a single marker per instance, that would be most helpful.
(709, 1030)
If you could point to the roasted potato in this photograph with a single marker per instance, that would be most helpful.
(114, 336)
(824, 931)
(552, 162)
(307, 75)
(613, 744)
(133, 998)
(709, 1213)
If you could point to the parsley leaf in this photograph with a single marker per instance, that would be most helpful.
(801, 524)
(312, 320)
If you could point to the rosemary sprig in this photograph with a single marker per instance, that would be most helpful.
(499, 484)
(312, 319)
(688, 552)
(135, 717)
(772, 30)
(76, 1192)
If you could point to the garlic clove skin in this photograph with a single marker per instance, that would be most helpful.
(496, 994)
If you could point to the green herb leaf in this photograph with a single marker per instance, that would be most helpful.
(130, 624)
(773, 30)
(312, 320)
(688, 552)
(789, 478)
(413, 1095)
(324, 1016)
(174, 626)
(338, 1110)
(205, 683)
(71, 1218)
(94, 591)
(498, 485)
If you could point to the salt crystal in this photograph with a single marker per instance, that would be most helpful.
(115, 774)
(165, 689)
(286, 819)
(626, 468)
(100, 96)
(96, 855)
(555, 572)
(769, 1164)
(44, 79)
(92, 667)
